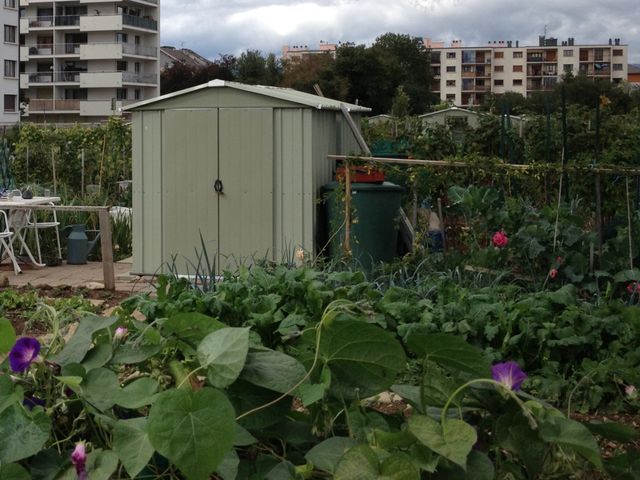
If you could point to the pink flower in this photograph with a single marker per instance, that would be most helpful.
(79, 459)
(120, 333)
(553, 273)
(631, 392)
(500, 239)
(559, 259)
(633, 287)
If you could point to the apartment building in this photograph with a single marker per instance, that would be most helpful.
(299, 51)
(9, 82)
(464, 75)
(83, 60)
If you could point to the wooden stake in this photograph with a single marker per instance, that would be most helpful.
(106, 245)
(82, 174)
(53, 171)
(630, 233)
(442, 226)
(347, 209)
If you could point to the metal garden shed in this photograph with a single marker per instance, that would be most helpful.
(241, 165)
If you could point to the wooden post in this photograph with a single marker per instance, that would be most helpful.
(106, 245)
(414, 213)
(82, 174)
(53, 171)
(347, 209)
(442, 227)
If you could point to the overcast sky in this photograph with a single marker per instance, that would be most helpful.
(213, 27)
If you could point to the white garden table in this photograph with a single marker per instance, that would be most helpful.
(18, 213)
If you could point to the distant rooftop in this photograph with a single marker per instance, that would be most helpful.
(170, 55)
(543, 41)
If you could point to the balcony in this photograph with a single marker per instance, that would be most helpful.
(44, 106)
(144, 78)
(87, 23)
(140, 22)
(48, 78)
(140, 50)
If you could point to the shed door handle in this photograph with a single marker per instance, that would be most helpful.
(217, 186)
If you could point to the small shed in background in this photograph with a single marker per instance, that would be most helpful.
(457, 117)
(240, 165)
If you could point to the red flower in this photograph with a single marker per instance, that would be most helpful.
(553, 273)
(633, 287)
(500, 239)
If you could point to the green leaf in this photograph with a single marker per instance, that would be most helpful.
(131, 443)
(81, 342)
(325, 455)
(617, 432)
(358, 463)
(137, 394)
(7, 336)
(129, 354)
(22, 435)
(454, 443)
(8, 395)
(191, 327)
(363, 358)
(272, 370)
(310, 393)
(194, 430)
(14, 471)
(479, 467)
(97, 357)
(398, 467)
(556, 428)
(565, 295)
(101, 464)
(224, 353)
(228, 468)
(243, 438)
(100, 388)
(627, 276)
(449, 351)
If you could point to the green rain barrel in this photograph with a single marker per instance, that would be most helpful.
(374, 228)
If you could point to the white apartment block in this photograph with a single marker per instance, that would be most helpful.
(83, 60)
(464, 75)
(9, 82)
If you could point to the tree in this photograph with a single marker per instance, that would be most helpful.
(251, 67)
(304, 72)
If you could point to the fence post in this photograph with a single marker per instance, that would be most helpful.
(106, 245)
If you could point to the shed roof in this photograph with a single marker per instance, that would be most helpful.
(463, 111)
(287, 94)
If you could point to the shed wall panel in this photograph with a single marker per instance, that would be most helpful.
(288, 185)
(147, 192)
(190, 166)
(246, 170)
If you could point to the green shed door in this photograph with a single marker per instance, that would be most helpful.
(246, 172)
(190, 168)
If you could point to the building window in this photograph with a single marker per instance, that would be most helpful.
(451, 83)
(498, 68)
(10, 3)
(567, 53)
(517, 54)
(498, 83)
(617, 67)
(121, 66)
(517, 82)
(568, 67)
(10, 68)
(10, 103)
(451, 97)
(451, 68)
(121, 94)
(121, 37)
(136, 94)
(517, 68)
(498, 55)
(451, 54)
(136, 67)
(618, 52)
(10, 34)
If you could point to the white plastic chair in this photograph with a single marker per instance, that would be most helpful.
(35, 226)
(6, 242)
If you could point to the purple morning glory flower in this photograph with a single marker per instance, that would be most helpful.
(31, 402)
(508, 374)
(79, 458)
(23, 353)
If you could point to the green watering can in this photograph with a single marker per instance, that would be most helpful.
(78, 244)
